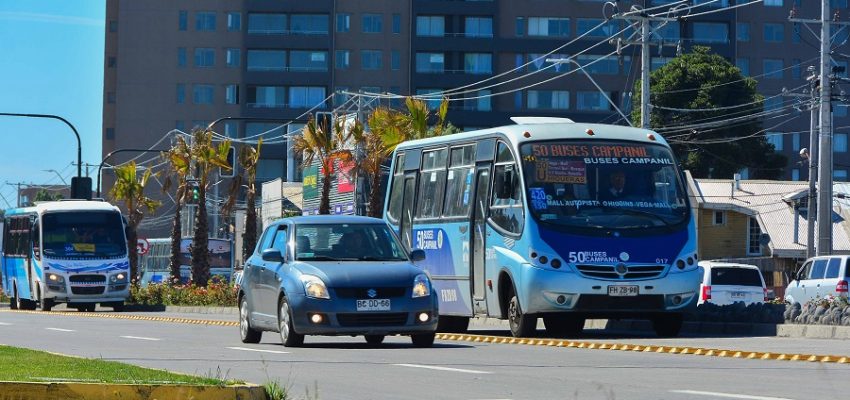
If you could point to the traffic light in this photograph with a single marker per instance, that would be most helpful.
(194, 195)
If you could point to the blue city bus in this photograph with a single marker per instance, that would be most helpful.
(72, 252)
(549, 219)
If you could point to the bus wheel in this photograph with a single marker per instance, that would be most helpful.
(522, 325)
(90, 307)
(118, 306)
(668, 325)
(13, 301)
(452, 324)
(46, 304)
(563, 325)
(374, 340)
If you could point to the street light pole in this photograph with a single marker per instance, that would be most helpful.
(64, 182)
(79, 143)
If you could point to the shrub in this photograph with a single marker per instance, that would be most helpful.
(3, 297)
(217, 293)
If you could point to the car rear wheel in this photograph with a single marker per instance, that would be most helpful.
(284, 319)
(522, 325)
(423, 339)
(668, 325)
(563, 325)
(247, 334)
(374, 339)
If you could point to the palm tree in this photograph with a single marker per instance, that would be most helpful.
(179, 157)
(130, 188)
(418, 116)
(249, 157)
(317, 143)
(206, 156)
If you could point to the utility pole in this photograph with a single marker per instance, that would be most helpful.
(825, 156)
(811, 214)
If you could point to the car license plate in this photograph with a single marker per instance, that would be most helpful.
(622, 290)
(738, 295)
(373, 305)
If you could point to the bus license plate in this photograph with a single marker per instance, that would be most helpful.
(373, 305)
(623, 290)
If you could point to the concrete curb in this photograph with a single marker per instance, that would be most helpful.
(95, 391)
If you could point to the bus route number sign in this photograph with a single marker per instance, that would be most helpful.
(142, 246)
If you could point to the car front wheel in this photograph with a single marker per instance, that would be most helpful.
(287, 334)
(423, 339)
(248, 334)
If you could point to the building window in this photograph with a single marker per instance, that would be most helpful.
(591, 27)
(179, 125)
(181, 56)
(231, 129)
(430, 25)
(478, 63)
(306, 96)
(609, 65)
(308, 61)
(478, 27)
(743, 32)
(795, 141)
(796, 69)
(371, 59)
(433, 101)
(372, 23)
(204, 57)
(479, 101)
(267, 24)
(343, 59)
(775, 138)
(430, 63)
(719, 218)
(773, 3)
(711, 32)
(110, 134)
(839, 143)
(231, 94)
(182, 20)
(113, 26)
(111, 62)
(234, 57)
(667, 31)
(744, 65)
(181, 93)
(308, 24)
(548, 99)
(773, 103)
(520, 26)
(795, 174)
(537, 62)
(839, 175)
(340, 97)
(753, 238)
(205, 21)
(203, 94)
(772, 68)
(234, 21)
(774, 33)
(396, 23)
(395, 60)
(543, 26)
(343, 22)
(266, 60)
(658, 62)
(839, 110)
(110, 97)
(266, 96)
(592, 101)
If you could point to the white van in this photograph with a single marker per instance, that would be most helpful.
(726, 283)
(819, 277)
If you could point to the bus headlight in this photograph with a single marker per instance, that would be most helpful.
(314, 287)
(421, 286)
(118, 278)
(53, 279)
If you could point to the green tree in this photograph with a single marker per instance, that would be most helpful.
(44, 195)
(206, 155)
(179, 158)
(326, 145)
(249, 158)
(718, 140)
(129, 188)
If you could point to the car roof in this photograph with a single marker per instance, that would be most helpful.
(331, 219)
(723, 264)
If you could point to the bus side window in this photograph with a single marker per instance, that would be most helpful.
(396, 190)
(432, 184)
(459, 181)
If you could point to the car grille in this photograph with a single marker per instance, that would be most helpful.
(372, 319)
(611, 303)
(87, 278)
(363, 293)
(632, 271)
(87, 289)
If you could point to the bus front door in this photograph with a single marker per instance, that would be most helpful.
(478, 237)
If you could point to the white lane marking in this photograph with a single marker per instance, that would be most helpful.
(60, 330)
(468, 371)
(140, 338)
(5, 323)
(258, 350)
(728, 395)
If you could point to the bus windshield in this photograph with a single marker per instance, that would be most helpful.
(603, 184)
(97, 234)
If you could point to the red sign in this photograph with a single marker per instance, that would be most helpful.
(344, 175)
(142, 246)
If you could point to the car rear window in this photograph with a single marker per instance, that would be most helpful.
(832, 268)
(735, 276)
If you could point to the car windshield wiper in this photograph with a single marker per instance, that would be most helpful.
(373, 258)
(320, 258)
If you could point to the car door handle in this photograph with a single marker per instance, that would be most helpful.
(263, 268)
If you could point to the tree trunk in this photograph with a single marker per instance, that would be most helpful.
(375, 198)
(200, 243)
(249, 237)
(176, 234)
(132, 255)
(325, 204)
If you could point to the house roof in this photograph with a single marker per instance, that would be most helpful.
(771, 203)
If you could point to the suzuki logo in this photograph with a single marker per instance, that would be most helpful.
(372, 293)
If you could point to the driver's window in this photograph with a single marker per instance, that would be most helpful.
(507, 213)
(36, 241)
(803, 273)
(279, 242)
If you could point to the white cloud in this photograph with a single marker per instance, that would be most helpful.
(51, 18)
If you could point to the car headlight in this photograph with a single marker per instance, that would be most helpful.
(314, 287)
(54, 279)
(421, 286)
(118, 278)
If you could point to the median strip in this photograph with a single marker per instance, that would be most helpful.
(697, 351)
(133, 317)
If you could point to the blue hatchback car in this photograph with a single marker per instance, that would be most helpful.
(335, 275)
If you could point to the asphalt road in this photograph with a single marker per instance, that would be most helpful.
(348, 368)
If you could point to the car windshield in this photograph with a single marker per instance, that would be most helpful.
(735, 276)
(603, 184)
(347, 242)
(97, 234)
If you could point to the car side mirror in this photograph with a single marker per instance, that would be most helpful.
(272, 255)
(417, 255)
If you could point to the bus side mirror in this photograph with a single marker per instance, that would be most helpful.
(505, 184)
(417, 255)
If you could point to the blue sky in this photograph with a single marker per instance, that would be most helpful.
(51, 62)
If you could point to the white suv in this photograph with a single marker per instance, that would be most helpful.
(726, 283)
(819, 277)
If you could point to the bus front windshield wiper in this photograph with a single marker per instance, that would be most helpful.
(644, 214)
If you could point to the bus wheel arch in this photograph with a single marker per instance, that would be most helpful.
(506, 291)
